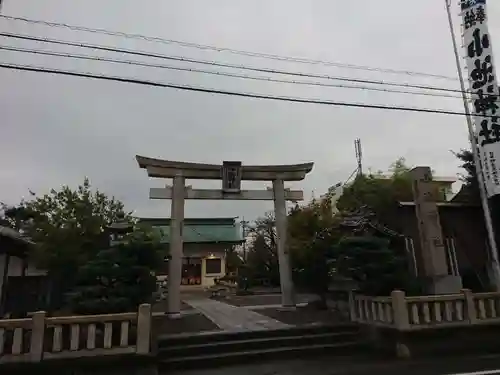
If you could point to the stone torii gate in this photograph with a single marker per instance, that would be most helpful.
(231, 173)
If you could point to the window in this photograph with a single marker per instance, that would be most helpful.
(213, 266)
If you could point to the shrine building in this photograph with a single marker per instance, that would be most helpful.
(205, 243)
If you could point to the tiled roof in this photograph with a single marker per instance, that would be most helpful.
(364, 217)
(14, 235)
(206, 230)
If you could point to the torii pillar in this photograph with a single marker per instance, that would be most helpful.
(231, 174)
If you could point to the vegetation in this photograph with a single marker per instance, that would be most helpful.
(378, 193)
(119, 278)
(313, 235)
(70, 229)
(376, 268)
(262, 258)
(470, 188)
(319, 250)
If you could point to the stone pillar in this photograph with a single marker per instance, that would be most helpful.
(143, 345)
(176, 248)
(37, 336)
(433, 252)
(287, 296)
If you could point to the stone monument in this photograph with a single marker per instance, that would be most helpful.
(439, 280)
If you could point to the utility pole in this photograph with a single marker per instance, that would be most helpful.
(480, 178)
(359, 155)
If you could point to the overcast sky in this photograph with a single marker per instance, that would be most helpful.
(55, 129)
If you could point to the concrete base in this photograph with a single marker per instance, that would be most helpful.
(434, 343)
(287, 308)
(446, 285)
(176, 315)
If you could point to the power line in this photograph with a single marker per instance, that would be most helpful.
(218, 73)
(218, 64)
(224, 49)
(38, 69)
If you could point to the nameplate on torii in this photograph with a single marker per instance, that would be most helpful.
(219, 194)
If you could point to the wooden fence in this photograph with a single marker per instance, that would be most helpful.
(424, 312)
(42, 338)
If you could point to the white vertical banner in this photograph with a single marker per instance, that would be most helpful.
(484, 90)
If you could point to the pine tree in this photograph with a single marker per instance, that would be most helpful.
(118, 279)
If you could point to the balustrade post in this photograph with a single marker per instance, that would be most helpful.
(37, 336)
(400, 310)
(469, 306)
(143, 329)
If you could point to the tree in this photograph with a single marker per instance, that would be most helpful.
(233, 259)
(470, 189)
(262, 257)
(69, 227)
(119, 278)
(379, 193)
(373, 265)
(313, 236)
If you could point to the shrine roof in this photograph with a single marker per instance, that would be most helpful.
(200, 230)
(13, 242)
(168, 168)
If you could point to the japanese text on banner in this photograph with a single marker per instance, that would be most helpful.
(484, 90)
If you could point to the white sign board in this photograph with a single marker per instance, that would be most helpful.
(484, 90)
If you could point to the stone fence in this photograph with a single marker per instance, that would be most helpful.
(43, 338)
(425, 312)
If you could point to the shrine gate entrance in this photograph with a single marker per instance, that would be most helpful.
(231, 174)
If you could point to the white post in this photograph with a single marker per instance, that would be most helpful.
(400, 310)
(143, 329)
(287, 297)
(470, 306)
(37, 336)
(176, 248)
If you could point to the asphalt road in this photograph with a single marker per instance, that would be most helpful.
(482, 365)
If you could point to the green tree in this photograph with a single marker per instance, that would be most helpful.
(262, 256)
(69, 228)
(470, 188)
(233, 260)
(313, 236)
(119, 278)
(467, 159)
(381, 194)
(373, 265)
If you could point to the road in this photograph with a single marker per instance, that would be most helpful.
(482, 365)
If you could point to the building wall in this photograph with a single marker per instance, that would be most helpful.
(14, 270)
(15, 266)
(206, 251)
(2, 266)
(465, 226)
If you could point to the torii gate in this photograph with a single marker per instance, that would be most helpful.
(231, 174)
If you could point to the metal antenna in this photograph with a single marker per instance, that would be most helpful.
(359, 155)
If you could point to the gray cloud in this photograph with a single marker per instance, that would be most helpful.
(56, 130)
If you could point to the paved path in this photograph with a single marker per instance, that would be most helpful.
(232, 318)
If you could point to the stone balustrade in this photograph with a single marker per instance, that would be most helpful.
(44, 338)
(424, 312)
